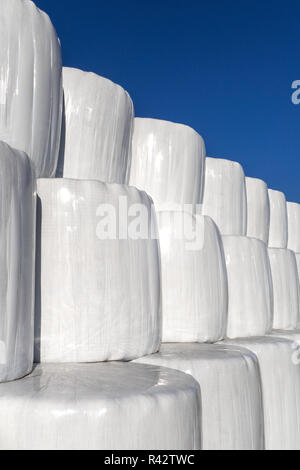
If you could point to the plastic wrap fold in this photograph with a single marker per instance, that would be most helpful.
(258, 209)
(108, 406)
(194, 281)
(17, 255)
(278, 235)
(293, 212)
(30, 84)
(99, 292)
(280, 375)
(97, 129)
(286, 289)
(250, 292)
(225, 196)
(231, 392)
(168, 162)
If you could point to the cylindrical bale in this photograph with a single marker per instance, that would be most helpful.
(280, 376)
(106, 406)
(293, 212)
(168, 162)
(194, 281)
(31, 84)
(278, 235)
(286, 289)
(258, 209)
(250, 291)
(225, 198)
(17, 260)
(99, 292)
(229, 378)
(97, 128)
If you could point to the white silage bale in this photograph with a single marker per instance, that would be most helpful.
(293, 212)
(108, 406)
(229, 378)
(286, 289)
(17, 256)
(258, 209)
(250, 290)
(168, 163)
(278, 235)
(30, 85)
(194, 281)
(97, 128)
(225, 198)
(99, 292)
(280, 376)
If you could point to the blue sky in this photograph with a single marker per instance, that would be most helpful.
(224, 67)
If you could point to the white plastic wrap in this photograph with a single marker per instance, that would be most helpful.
(225, 198)
(297, 255)
(293, 212)
(278, 235)
(286, 289)
(98, 299)
(194, 281)
(250, 292)
(258, 209)
(280, 376)
(17, 255)
(30, 84)
(168, 162)
(97, 129)
(108, 406)
(231, 392)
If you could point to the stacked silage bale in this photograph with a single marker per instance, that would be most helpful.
(285, 270)
(30, 122)
(97, 296)
(256, 286)
(165, 157)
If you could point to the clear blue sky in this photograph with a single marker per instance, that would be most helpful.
(224, 67)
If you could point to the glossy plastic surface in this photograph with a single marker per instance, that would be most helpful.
(194, 281)
(232, 415)
(17, 255)
(225, 196)
(286, 289)
(278, 235)
(109, 406)
(30, 84)
(281, 390)
(168, 162)
(293, 212)
(97, 128)
(250, 305)
(98, 299)
(258, 209)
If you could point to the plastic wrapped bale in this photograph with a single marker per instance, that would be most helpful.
(258, 209)
(280, 375)
(225, 198)
(168, 162)
(31, 84)
(106, 406)
(194, 281)
(229, 378)
(297, 255)
(278, 235)
(286, 289)
(98, 287)
(250, 291)
(17, 255)
(293, 212)
(97, 129)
